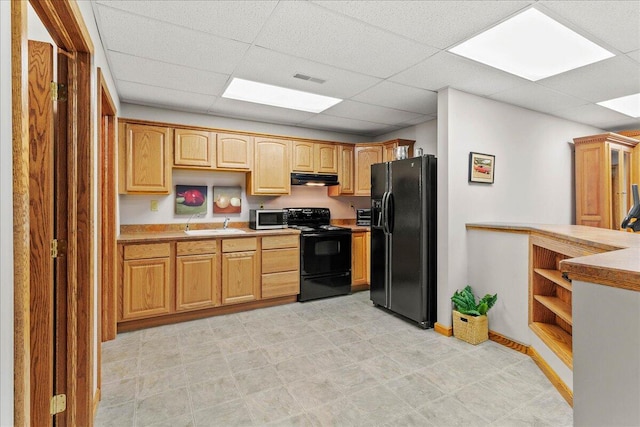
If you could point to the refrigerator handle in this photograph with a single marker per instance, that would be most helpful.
(383, 213)
(390, 213)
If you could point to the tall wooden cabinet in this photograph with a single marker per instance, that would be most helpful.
(145, 159)
(271, 170)
(364, 157)
(604, 169)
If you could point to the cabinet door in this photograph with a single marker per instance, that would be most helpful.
(302, 156)
(346, 170)
(196, 282)
(388, 154)
(367, 248)
(365, 156)
(270, 174)
(592, 194)
(326, 158)
(234, 151)
(146, 288)
(239, 280)
(621, 197)
(194, 148)
(145, 159)
(358, 259)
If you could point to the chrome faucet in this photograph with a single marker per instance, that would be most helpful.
(198, 215)
(225, 224)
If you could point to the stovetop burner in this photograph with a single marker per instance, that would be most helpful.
(312, 220)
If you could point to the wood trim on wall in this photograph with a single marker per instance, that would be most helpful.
(447, 331)
(21, 249)
(551, 375)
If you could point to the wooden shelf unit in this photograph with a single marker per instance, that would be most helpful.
(550, 294)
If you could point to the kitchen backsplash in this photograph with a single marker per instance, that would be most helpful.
(136, 209)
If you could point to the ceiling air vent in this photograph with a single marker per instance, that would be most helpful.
(309, 78)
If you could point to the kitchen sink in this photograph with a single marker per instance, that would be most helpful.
(215, 232)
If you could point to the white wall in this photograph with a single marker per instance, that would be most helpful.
(424, 134)
(6, 221)
(533, 176)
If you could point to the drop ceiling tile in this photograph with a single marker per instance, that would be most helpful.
(436, 23)
(137, 93)
(446, 69)
(305, 30)
(169, 76)
(597, 116)
(635, 55)
(539, 98)
(252, 111)
(417, 120)
(147, 38)
(400, 97)
(370, 113)
(616, 23)
(238, 20)
(342, 124)
(281, 68)
(608, 79)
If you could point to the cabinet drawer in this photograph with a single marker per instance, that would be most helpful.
(154, 250)
(280, 284)
(239, 245)
(196, 248)
(276, 242)
(280, 260)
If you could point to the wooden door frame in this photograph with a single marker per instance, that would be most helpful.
(107, 248)
(64, 22)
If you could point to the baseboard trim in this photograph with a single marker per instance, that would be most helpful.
(551, 375)
(508, 342)
(447, 331)
(96, 401)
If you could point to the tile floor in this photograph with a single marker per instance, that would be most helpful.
(333, 362)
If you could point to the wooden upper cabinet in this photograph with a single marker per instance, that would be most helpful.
(364, 157)
(389, 153)
(234, 151)
(194, 148)
(302, 156)
(345, 172)
(270, 174)
(604, 169)
(326, 158)
(145, 158)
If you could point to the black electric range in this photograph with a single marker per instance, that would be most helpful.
(325, 254)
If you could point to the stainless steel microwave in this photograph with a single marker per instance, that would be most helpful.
(266, 219)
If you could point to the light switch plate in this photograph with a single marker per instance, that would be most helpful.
(154, 206)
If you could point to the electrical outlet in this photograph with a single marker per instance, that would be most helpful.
(154, 206)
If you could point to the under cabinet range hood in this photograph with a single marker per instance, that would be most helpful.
(313, 179)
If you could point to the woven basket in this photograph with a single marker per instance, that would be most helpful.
(472, 329)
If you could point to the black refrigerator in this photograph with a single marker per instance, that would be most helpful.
(403, 238)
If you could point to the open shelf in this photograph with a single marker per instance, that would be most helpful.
(557, 306)
(558, 340)
(555, 276)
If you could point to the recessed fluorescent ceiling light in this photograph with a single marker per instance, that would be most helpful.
(533, 46)
(261, 93)
(629, 105)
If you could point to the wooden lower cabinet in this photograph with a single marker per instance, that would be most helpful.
(360, 257)
(280, 266)
(197, 282)
(146, 283)
(240, 279)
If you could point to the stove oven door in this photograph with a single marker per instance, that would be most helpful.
(325, 253)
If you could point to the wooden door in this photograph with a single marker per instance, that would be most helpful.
(592, 191)
(194, 148)
(271, 171)
(239, 276)
(326, 158)
(196, 281)
(42, 231)
(302, 156)
(365, 156)
(234, 151)
(147, 156)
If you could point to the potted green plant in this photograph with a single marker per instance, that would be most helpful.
(470, 321)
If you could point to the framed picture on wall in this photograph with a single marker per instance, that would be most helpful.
(191, 199)
(227, 200)
(481, 167)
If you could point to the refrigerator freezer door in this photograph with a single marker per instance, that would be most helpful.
(408, 278)
(379, 250)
